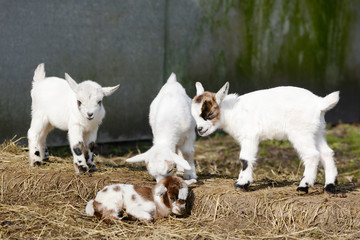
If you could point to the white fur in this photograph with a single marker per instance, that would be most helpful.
(72, 107)
(279, 113)
(173, 130)
(128, 199)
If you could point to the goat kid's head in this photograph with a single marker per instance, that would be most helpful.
(205, 108)
(89, 96)
(173, 192)
(160, 162)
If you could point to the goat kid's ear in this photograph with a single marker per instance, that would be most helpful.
(138, 158)
(72, 83)
(180, 161)
(110, 90)
(160, 190)
(221, 94)
(199, 88)
(172, 77)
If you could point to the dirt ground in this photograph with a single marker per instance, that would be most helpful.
(48, 202)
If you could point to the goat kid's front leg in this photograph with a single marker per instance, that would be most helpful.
(90, 142)
(247, 158)
(79, 150)
(90, 160)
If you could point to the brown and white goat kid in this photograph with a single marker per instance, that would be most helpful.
(167, 197)
(281, 113)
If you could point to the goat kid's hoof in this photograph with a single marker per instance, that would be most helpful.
(37, 163)
(330, 188)
(242, 187)
(46, 155)
(303, 189)
(83, 169)
(80, 168)
(92, 167)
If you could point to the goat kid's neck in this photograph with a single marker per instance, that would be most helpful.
(227, 111)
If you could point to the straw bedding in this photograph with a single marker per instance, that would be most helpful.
(48, 202)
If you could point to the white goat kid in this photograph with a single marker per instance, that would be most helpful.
(72, 107)
(279, 113)
(173, 130)
(167, 197)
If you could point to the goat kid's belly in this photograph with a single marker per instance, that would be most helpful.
(271, 132)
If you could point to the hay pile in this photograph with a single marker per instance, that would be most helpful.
(48, 202)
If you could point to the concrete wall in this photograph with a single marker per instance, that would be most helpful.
(252, 44)
(110, 42)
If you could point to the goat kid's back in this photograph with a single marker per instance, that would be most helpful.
(173, 103)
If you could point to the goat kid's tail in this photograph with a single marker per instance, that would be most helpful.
(39, 73)
(329, 101)
(90, 208)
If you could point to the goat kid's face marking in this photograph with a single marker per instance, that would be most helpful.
(176, 196)
(206, 113)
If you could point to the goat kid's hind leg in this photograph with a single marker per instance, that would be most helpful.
(310, 156)
(37, 132)
(45, 150)
(247, 157)
(327, 160)
(78, 149)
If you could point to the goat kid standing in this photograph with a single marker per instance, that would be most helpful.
(66, 105)
(282, 113)
(173, 130)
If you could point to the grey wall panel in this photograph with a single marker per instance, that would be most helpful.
(110, 42)
(253, 44)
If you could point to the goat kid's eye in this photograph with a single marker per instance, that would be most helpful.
(173, 199)
(211, 115)
(99, 102)
(79, 103)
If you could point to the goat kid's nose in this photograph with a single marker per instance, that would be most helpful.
(90, 114)
(200, 129)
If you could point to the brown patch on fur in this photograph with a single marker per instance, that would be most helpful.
(206, 96)
(210, 110)
(181, 201)
(101, 212)
(117, 188)
(198, 99)
(172, 184)
(145, 193)
(133, 197)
